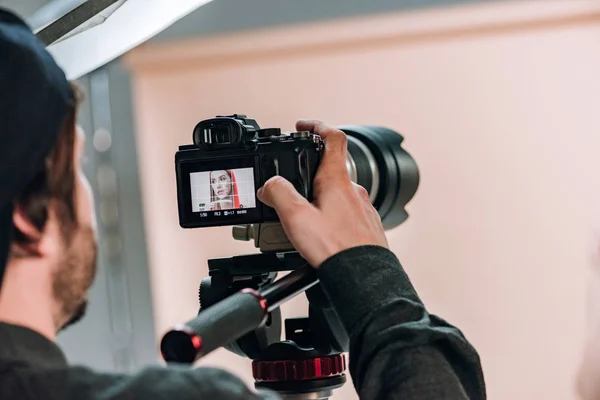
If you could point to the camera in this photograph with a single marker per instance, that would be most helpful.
(232, 157)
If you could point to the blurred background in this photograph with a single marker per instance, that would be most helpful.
(498, 103)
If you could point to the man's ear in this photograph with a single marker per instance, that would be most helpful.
(31, 247)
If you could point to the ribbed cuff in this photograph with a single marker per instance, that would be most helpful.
(359, 279)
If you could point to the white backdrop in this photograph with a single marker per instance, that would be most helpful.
(499, 107)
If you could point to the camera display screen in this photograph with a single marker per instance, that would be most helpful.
(223, 190)
(218, 191)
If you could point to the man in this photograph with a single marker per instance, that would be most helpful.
(398, 350)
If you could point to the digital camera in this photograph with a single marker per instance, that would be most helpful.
(232, 157)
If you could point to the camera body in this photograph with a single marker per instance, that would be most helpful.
(231, 158)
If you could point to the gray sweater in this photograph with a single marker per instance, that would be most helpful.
(397, 349)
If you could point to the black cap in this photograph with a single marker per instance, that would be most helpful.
(35, 97)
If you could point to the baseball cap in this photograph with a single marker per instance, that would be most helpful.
(35, 97)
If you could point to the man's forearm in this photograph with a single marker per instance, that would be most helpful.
(397, 349)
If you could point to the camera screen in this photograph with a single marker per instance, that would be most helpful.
(223, 190)
(217, 191)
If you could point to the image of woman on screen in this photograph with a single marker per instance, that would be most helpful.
(223, 191)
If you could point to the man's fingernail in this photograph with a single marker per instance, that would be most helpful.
(259, 193)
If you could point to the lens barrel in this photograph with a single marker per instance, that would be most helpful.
(377, 162)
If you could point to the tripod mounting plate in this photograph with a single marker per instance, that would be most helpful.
(268, 236)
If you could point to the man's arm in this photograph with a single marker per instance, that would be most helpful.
(397, 349)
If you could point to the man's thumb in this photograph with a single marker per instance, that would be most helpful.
(281, 195)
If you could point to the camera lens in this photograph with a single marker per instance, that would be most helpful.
(377, 162)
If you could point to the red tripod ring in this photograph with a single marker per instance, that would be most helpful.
(299, 370)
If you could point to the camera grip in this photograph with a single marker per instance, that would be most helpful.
(214, 327)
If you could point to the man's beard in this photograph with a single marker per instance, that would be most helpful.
(74, 276)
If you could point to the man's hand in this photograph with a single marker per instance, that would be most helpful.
(341, 215)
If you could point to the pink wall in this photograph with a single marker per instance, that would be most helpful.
(499, 106)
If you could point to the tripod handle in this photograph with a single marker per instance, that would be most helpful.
(214, 327)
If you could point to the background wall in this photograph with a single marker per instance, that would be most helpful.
(498, 106)
(225, 16)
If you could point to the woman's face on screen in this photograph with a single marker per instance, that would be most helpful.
(220, 182)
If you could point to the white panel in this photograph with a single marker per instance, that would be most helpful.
(133, 23)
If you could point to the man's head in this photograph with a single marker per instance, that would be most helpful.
(47, 240)
(54, 227)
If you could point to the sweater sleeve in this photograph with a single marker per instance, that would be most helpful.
(397, 349)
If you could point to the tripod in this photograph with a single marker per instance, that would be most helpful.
(239, 310)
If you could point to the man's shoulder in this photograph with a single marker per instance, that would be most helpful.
(152, 382)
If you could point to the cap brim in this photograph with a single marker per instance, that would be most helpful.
(6, 213)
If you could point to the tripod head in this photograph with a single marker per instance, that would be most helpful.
(217, 180)
(309, 363)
